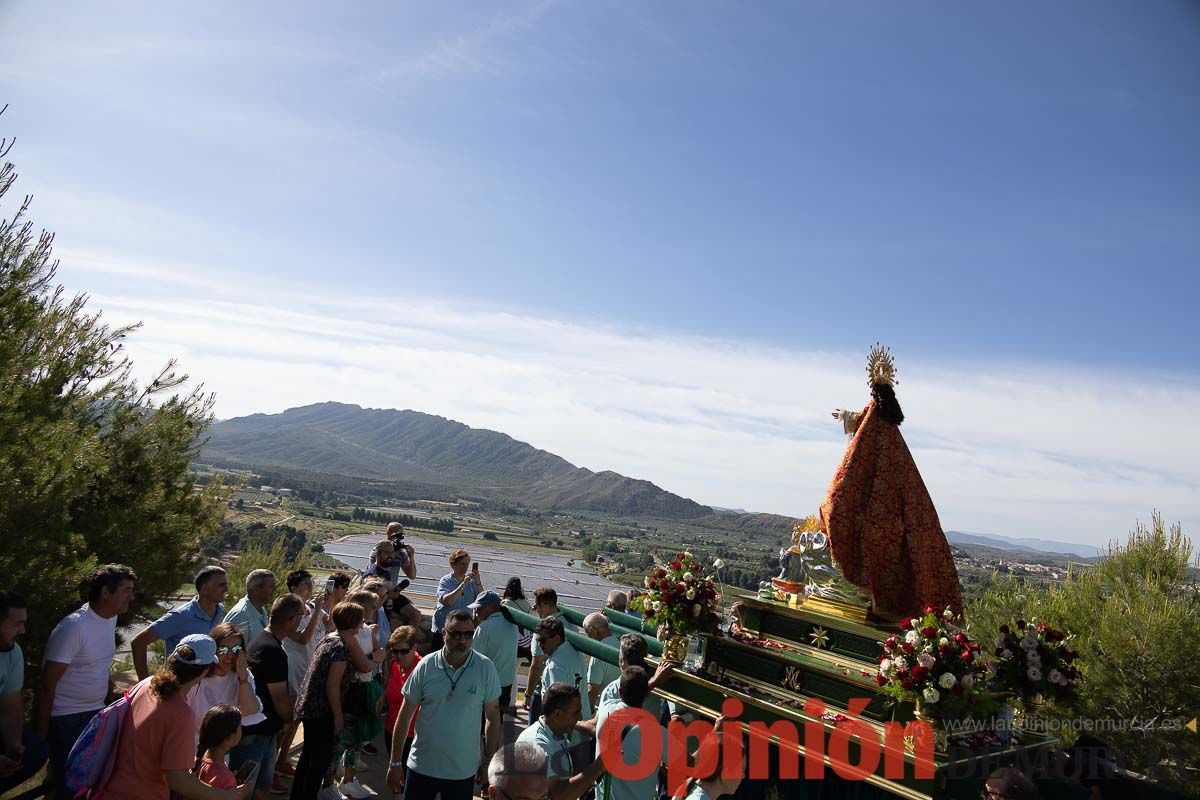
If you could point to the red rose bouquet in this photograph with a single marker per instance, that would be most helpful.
(679, 597)
(1032, 659)
(933, 663)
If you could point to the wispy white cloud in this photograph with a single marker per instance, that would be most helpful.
(1030, 449)
(464, 52)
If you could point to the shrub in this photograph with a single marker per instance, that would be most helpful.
(1135, 615)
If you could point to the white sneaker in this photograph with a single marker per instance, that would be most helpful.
(354, 790)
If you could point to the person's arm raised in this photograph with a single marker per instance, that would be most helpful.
(247, 700)
(314, 622)
(410, 566)
(451, 597)
(577, 785)
(362, 661)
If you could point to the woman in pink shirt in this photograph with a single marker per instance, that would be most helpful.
(157, 748)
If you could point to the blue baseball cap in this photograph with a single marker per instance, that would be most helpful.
(485, 599)
(204, 650)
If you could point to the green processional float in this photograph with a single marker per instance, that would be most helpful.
(867, 585)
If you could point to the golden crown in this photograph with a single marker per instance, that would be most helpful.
(810, 524)
(881, 367)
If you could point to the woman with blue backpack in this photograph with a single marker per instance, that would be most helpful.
(155, 736)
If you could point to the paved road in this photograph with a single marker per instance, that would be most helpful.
(577, 585)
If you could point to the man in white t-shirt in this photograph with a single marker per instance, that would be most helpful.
(75, 676)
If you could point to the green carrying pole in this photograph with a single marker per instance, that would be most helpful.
(580, 641)
(631, 622)
(576, 618)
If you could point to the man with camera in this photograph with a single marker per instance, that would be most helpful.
(405, 557)
(383, 557)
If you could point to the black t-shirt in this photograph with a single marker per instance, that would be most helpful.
(374, 570)
(269, 663)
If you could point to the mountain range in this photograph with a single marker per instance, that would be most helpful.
(412, 446)
(1025, 544)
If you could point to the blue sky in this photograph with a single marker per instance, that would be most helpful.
(1007, 194)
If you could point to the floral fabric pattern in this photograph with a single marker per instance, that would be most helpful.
(882, 525)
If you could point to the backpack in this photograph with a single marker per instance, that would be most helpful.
(90, 763)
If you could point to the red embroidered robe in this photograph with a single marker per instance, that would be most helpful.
(882, 525)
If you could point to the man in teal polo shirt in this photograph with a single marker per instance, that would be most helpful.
(600, 673)
(545, 604)
(455, 688)
(563, 662)
(496, 638)
(22, 752)
(201, 615)
(554, 732)
(250, 614)
(635, 743)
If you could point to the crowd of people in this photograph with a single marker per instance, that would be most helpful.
(218, 718)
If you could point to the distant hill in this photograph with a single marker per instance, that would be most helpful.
(1025, 544)
(412, 446)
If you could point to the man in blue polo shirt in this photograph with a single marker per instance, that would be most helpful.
(455, 688)
(203, 613)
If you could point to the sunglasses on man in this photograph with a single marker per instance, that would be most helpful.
(401, 651)
(460, 635)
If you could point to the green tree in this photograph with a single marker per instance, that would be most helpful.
(277, 559)
(93, 465)
(1135, 615)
